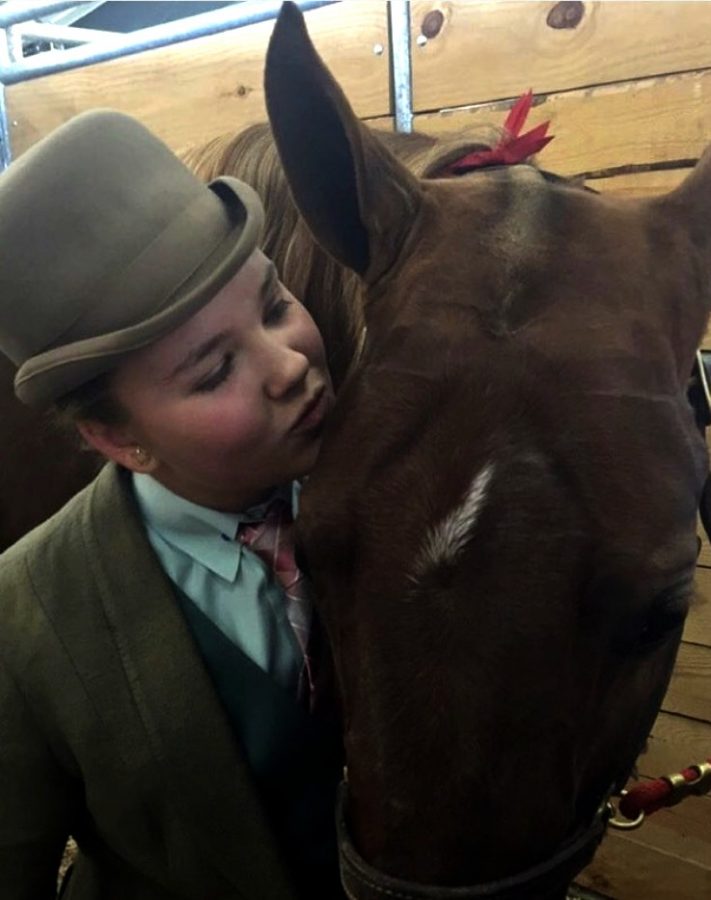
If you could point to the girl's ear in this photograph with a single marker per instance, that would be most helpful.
(115, 444)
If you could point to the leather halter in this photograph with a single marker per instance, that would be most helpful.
(363, 882)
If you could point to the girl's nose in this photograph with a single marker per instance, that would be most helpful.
(287, 369)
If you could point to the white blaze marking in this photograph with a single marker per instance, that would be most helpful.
(445, 541)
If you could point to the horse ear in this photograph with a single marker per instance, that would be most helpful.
(356, 198)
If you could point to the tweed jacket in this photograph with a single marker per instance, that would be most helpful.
(110, 728)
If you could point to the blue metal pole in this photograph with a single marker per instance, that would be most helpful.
(5, 150)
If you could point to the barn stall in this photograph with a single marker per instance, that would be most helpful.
(627, 88)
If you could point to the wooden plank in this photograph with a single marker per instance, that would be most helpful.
(193, 91)
(384, 123)
(704, 559)
(689, 693)
(685, 828)
(486, 51)
(677, 742)
(634, 123)
(640, 184)
(698, 624)
(637, 866)
(679, 834)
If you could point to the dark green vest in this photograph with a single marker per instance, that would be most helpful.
(296, 758)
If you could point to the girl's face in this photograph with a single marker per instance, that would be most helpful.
(232, 402)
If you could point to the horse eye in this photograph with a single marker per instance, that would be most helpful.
(666, 616)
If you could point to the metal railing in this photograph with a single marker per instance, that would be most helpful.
(13, 71)
(94, 47)
(201, 25)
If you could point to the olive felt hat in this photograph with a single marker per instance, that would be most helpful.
(108, 242)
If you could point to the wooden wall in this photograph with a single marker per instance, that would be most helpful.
(198, 89)
(627, 86)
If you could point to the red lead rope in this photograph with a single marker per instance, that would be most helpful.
(649, 796)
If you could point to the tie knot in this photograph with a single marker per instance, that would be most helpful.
(272, 540)
(278, 511)
(271, 535)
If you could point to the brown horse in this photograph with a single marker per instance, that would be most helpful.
(500, 527)
(40, 466)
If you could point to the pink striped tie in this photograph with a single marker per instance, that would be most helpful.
(273, 542)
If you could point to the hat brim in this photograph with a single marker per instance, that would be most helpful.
(46, 377)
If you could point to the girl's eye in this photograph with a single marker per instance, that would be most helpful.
(276, 310)
(217, 376)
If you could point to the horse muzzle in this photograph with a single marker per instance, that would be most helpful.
(550, 878)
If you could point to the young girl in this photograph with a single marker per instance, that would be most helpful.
(160, 697)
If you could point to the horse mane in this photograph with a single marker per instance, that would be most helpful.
(330, 292)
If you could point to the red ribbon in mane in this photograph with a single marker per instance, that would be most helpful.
(512, 147)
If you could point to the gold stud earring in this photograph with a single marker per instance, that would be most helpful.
(141, 456)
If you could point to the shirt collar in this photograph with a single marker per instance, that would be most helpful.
(206, 535)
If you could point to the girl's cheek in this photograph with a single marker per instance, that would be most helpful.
(237, 427)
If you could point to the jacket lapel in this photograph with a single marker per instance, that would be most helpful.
(190, 735)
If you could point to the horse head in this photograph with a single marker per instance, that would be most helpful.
(501, 524)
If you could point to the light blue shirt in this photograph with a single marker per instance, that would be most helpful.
(228, 582)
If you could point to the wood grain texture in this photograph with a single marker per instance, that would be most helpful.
(486, 51)
(640, 184)
(641, 866)
(705, 554)
(698, 623)
(689, 693)
(193, 91)
(677, 742)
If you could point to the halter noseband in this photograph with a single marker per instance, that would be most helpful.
(363, 882)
